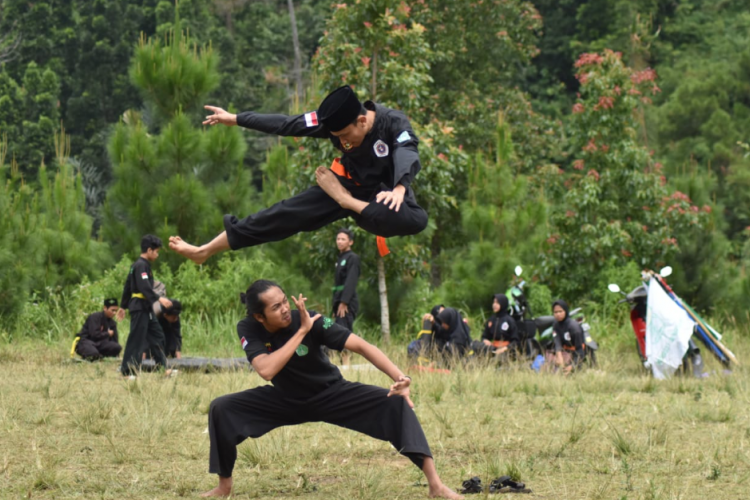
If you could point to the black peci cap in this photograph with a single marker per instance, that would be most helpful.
(110, 302)
(339, 109)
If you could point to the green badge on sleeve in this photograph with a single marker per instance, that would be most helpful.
(327, 322)
(301, 350)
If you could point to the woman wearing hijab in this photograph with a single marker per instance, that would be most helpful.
(568, 338)
(500, 333)
(455, 330)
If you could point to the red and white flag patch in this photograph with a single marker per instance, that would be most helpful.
(144, 276)
(243, 341)
(311, 119)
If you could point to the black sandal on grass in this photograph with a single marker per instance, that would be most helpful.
(471, 486)
(504, 484)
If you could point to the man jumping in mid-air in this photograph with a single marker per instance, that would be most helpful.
(370, 182)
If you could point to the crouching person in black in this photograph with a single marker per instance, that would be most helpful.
(455, 332)
(284, 347)
(98, 337)
(172, 328)
(570, 349)
(428, 342)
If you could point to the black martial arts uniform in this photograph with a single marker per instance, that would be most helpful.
(95, 342)
(501, 330)
(172, 336)
(308, 389)
(458, 333)
(345, 288)
(138, 296)
(430, 339)
(568, 336)
(387, 157)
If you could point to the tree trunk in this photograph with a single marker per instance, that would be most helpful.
(385, 321)
(229, 21)
(374, 69)
(297, 71)
(436, 277)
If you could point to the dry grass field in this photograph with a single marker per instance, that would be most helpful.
(77, 430)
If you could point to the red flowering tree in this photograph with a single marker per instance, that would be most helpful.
(616, 204)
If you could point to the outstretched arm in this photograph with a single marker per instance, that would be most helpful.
(305, 125)
(375, 356)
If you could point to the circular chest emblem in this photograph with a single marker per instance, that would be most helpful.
(381, 149)
(301, 350)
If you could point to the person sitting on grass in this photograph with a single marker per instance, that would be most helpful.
(500, 335)
(567, 334)
(284, 348)
(455, 331)
(427, 343)
(98, 337)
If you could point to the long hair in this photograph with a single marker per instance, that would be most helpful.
(251, 298)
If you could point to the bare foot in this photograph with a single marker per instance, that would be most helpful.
(217, 492)
(187, 250)
(330, 184)
(444, 492)
(223, 490)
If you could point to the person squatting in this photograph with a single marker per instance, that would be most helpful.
(284, 347)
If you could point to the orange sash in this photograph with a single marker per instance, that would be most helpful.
(339, 169)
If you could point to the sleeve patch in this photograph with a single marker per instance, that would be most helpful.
(327, 322)
(504, 327)
(144, 276)
(243, 341)
(403, 137)
(311, 119)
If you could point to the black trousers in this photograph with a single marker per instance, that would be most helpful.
(90, 349)
(363, 408)
(173, 344)
(347, 321)
(312, 209)
(145, 334)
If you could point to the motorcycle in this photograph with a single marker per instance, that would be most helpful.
(638, 301)
(542, 325)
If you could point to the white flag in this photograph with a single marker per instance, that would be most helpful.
(668, 331)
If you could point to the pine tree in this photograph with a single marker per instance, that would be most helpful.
(45, 233)
(172, 177)
(29, 116)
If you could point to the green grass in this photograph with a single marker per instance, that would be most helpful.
(76, 430)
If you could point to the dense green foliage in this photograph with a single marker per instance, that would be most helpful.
(582, 139)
